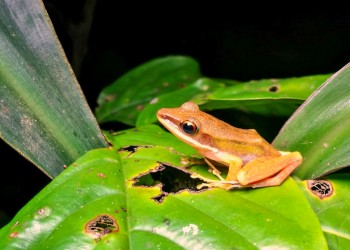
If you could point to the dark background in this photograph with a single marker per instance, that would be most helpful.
(229, 42)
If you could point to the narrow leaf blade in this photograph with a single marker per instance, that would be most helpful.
(44, 114)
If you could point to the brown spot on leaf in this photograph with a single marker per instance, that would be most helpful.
(102, 175)
(110, 97)
(320, 188)
(101, 225)
(13, 235)
(154, 100)
(273, 88)
(182, 85)
(41, 211)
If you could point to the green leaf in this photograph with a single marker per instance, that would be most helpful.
(320, 129)
(330, 201)
(118, 185)
(176, 98)
(124, 99)
(43, 114)
(279, 97)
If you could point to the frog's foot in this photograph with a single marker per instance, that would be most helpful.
(218, 184)
(209, 183)
(217, 173)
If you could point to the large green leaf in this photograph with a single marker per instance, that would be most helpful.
(134, 211)
(124, 99)
(267, 97)
(330, 201)
(43, 112)
(320, 128)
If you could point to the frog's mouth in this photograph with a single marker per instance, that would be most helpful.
(169, 122)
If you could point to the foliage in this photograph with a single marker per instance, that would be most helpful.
(139, 193)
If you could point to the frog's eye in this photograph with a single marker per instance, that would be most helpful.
(189, 127)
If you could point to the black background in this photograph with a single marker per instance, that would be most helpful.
(241, 43)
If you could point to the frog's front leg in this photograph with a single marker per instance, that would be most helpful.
(231, 179)
(215, 171)
(265, 172)
(234, 166)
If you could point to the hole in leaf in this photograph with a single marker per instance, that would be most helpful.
(101, 225)
(132, 148)
(171, 179)
(273, 88)
(320, 188)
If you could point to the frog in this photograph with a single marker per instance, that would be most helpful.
(250, 159)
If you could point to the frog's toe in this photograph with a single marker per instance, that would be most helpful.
(222, 185)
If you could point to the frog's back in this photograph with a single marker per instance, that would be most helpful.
(235, 140)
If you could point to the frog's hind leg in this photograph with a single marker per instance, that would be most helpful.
(265, 172)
